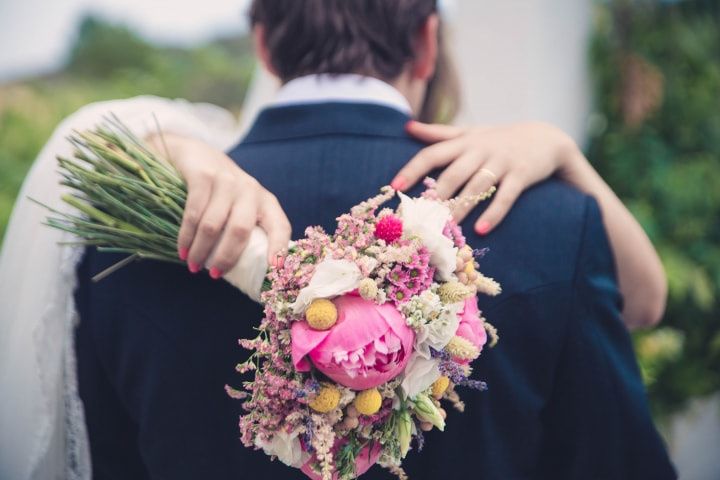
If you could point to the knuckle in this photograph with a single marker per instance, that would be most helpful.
(455, 176)
(283, 230)
(250, 183)
(240, 232)
(504, 201)
(209, 228)
(192, 216)
(225, 261)
(272, 199)
(204, 175)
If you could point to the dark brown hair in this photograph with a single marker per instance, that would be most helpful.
(367, 37)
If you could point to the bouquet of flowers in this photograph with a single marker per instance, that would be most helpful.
(366, 332)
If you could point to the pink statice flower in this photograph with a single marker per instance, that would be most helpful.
(453, 231)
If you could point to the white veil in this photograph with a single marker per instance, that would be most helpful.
(42, 429)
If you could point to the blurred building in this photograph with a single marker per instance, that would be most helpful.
(521, 61)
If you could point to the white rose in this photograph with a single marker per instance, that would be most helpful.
(426, 219)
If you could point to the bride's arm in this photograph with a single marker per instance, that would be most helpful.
(640, 272)
(518, 156)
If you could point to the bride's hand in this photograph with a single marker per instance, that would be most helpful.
(515, 156)
(223, 205)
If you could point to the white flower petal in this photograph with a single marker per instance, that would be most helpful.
(420, 373)
(286, 447)
(438, 332)
(426, 219)
(330, 279)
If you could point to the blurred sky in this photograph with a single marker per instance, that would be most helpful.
(35, 34)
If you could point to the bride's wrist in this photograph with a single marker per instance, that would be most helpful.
(169, 145)
(576, 170)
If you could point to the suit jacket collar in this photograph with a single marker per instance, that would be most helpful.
(331, 118)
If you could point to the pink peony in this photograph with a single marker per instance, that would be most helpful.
(471, 325)
(369, 345)
(367, 457)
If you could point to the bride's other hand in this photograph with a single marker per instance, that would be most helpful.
(518, 156)
(476, 158)
(223, 206)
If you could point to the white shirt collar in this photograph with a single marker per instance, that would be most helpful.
(341, 88)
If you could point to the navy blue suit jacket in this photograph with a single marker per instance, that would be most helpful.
(156, 344)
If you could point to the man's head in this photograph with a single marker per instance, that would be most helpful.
(394, 40)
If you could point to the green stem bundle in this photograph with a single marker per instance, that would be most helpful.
(128, 198)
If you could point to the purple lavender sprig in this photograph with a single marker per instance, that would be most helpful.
(419, 437)
(456, 371)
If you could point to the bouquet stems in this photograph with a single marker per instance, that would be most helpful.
(128, 198)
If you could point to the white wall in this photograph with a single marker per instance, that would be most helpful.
(523, 60)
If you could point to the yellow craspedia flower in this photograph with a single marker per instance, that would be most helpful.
(368, 402)
(321, 314)
(326, 400)
(469, 267)
(439, 387)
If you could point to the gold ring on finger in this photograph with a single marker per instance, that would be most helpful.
(490, 173)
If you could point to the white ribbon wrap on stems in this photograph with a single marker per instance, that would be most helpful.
(42, 425)
(249, 272)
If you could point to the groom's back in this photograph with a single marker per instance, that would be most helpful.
(321, 159)
(565, 398)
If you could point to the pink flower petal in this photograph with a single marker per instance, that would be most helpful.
(369, 345)
(471, 326)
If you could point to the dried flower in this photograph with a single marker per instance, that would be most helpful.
(389, 228)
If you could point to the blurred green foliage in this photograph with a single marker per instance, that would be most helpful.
(655, 137)
(109, 61)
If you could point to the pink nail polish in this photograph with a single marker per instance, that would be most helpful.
(483, 228)
(409, 124)
(215, 273)
(277, 261)
(398, 183)
(183, 253)
(193, 267)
